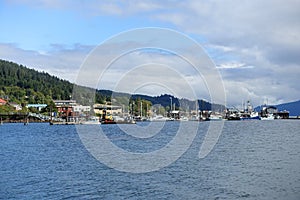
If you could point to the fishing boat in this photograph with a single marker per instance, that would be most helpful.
(232, 114)
(109, 119)
(267, 112)
(215, 117)
(268, 117)
(250, 116)
(249, 113)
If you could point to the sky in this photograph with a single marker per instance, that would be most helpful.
(254, 45)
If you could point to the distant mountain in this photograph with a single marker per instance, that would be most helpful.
(292, 107)
(165, 101)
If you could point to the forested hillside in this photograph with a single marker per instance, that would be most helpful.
(26, 86)
(21, 84)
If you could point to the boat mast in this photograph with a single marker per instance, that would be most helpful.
(141, 109)
(171, 105)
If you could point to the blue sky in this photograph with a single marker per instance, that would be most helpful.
(37, 28)
(255, 45)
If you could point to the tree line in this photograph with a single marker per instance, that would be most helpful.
(23, 85)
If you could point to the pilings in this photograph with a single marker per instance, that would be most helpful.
(16, 118)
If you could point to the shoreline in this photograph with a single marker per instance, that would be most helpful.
(73, 123)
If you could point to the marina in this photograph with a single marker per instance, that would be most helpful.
(267, 113)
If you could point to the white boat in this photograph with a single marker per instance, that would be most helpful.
(250, 116)
(170, 119)
(215, 118)
(267, 113)
(91, 120)
(184, 119)
(118, 119)
(158, 118)
(268, 117)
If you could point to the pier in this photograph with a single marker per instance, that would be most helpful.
(22, 118)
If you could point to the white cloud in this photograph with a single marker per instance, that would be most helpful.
(61, 61)
(255, 44)
(233, 65)
(142, 71)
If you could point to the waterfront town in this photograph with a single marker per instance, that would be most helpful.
(27, 95)
(71, 112)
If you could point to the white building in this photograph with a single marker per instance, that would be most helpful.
(81, 109)
(110, 109)
(18, 107)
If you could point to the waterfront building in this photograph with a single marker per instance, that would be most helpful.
(80, 109)
(65, 108)
(110, 109)
(71, 110)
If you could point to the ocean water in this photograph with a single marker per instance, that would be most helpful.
(251, 160)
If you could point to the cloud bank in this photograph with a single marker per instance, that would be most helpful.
(254, 44)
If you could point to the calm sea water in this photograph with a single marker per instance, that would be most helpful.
(252, 160)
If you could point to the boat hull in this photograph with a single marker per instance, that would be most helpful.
(250, 118)
(118, 122)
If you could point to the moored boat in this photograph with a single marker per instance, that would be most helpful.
(158, 118)
(118, 122)
(268, 117)
(109, 119)
(267, 112)
(250, 116)
(91, 120)
(215, 118)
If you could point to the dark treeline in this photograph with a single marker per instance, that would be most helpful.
(23, 85)
(26, 86)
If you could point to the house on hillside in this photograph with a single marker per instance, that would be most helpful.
(2, 102)
(17, 106)
(38, 107)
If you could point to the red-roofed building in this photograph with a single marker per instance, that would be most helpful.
(2, 102)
